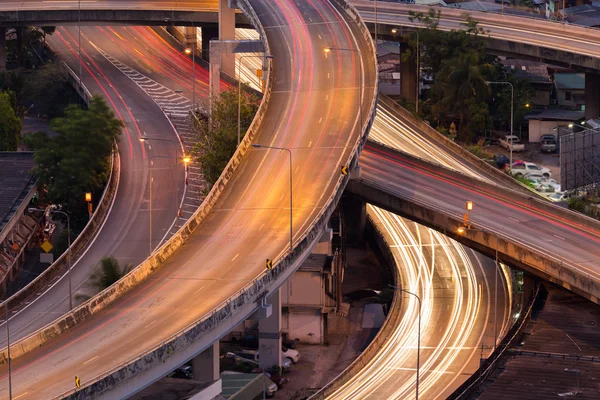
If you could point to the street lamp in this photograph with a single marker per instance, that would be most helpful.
(261, 146)
(146, 138)
(233, 355)
(461, 230)
(239, 77)
(394, 31)
(185, 160)
(328, 50)
(512, 104)
(192, 51)
(69, 249)
(418, 74)
(375, 26)
(418, 336)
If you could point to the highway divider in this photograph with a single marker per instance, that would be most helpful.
(59, 267)
(392, 320)
(455, 148)
(254, 290)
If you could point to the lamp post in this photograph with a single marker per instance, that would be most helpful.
(418, 336)
(376, 25)
(327, 51)
(232, 355)
(512, 104)
(239, 77)
(69, 249)
(261, 146)
(186, 160)
(146, 138)
(394, 31)
(418, 74)
(193, 52)
(461, 231)
(79, 41)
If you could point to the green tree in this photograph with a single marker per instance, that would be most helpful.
(49, 89)
(10, 124)
(107, 272)
(216, 137)
(78, 159)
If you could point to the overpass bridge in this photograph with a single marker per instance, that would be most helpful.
(556, 244)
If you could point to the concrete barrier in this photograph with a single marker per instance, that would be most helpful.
(510, 251)
(391, 322)
(455, 148)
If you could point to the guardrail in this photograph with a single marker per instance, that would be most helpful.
(80, 244)
(384, 333)
(455, 148)
(465, 390)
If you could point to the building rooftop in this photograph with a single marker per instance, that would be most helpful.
(557, 115)
(569, 81)
(15, 182)
(316, 262)
(532, 71)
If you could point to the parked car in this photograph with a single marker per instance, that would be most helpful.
(558, 196)
(253, 355)
(548, 143)
(291, 354)
(183, 372)
(279, 380)
(523, 168)
(511, 141)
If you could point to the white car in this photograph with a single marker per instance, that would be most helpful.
(524, 168)
(291, 354)
(557, 196)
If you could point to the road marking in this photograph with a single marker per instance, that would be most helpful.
(561, 238)
(151, 162)
(309, 143)
(514, 219)
(261, 227)
(328, 75)
(90, 360)
(320, 37)
(236, 256)
(150, 148)
(150, 324)
(21, 395)
(199, 290)
(326, 97)
(320, 119)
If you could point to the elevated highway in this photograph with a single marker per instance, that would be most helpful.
(216, 277)
(556, 244)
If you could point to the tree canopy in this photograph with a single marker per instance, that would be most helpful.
(10, 124)
(459, 67)
(78, 159)
(49, 89)
(216, 137)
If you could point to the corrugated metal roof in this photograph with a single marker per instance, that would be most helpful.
(569, 81)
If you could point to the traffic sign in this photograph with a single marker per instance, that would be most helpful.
(269, 264)
(344, 170)
(46, 246)
(77, 382)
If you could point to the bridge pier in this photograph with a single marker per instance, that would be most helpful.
(2, 49)
(227, 32)
(408, 80)
(205, 366)
(354, 211)
(592, 95)
(269, 334)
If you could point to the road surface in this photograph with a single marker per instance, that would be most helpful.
(313, 109)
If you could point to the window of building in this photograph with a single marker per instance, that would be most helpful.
(567, 95)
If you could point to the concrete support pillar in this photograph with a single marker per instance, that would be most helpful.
(408, 80)
(215, 70)
(355, 218)
(269, 334)
(227, 32)
(592, 95)
(205, 366)
(208, 33)
(191, 36)
(2, 49)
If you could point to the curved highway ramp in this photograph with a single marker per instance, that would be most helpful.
(313, 109)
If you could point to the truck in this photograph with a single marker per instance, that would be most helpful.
(511, 141)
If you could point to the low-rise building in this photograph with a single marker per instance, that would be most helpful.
(536, 73)
(570, 89)
(554, 122)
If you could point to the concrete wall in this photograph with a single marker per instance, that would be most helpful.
(510, 252)
(305, 325)
(303, 288)
(538, 128)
